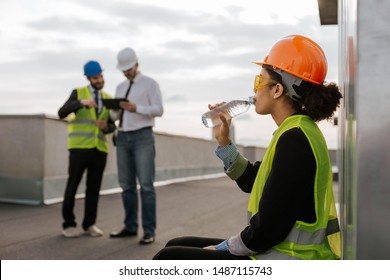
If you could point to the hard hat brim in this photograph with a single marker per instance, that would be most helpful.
(124, 67)
(261, 63)
(91, 74)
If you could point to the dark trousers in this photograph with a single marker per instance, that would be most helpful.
(191, 248)
(94, 162)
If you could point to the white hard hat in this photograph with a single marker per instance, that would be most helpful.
(126, 59)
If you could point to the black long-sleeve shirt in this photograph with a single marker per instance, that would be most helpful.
(288, 194)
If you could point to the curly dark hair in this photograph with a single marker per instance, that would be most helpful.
(318, 101)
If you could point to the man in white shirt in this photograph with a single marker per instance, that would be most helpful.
(135, 145)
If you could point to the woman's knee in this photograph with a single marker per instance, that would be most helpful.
(169, 253)
(178, 241)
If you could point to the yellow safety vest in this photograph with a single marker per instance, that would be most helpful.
(318, 240)
(82, 130)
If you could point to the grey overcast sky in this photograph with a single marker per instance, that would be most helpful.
(199, 51)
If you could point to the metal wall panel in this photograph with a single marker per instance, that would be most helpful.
(347, 124)
(365, 128)
(373, 127)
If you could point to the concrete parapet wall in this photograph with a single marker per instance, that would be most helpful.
(34, 159)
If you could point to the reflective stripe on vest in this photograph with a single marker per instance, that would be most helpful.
(76, 121)
(100, 136)
(82, 130)
(317, 237)
(319, 240)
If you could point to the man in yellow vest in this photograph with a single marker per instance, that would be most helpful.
(89, 121)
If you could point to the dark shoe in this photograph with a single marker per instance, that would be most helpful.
(147, 239)
(123, 233)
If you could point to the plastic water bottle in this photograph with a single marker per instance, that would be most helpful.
(232, 109)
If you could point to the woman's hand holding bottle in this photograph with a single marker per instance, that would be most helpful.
(222, 131)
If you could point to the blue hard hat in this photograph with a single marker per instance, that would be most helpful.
(92, 68)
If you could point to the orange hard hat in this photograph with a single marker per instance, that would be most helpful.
(298, 56)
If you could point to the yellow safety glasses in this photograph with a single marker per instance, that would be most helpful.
(262, 82)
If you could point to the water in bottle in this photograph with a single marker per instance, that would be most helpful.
(231, 109)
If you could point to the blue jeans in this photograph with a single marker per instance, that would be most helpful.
(135, 159)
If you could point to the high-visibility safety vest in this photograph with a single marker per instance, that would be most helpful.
(318, 240)
(82, 130)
